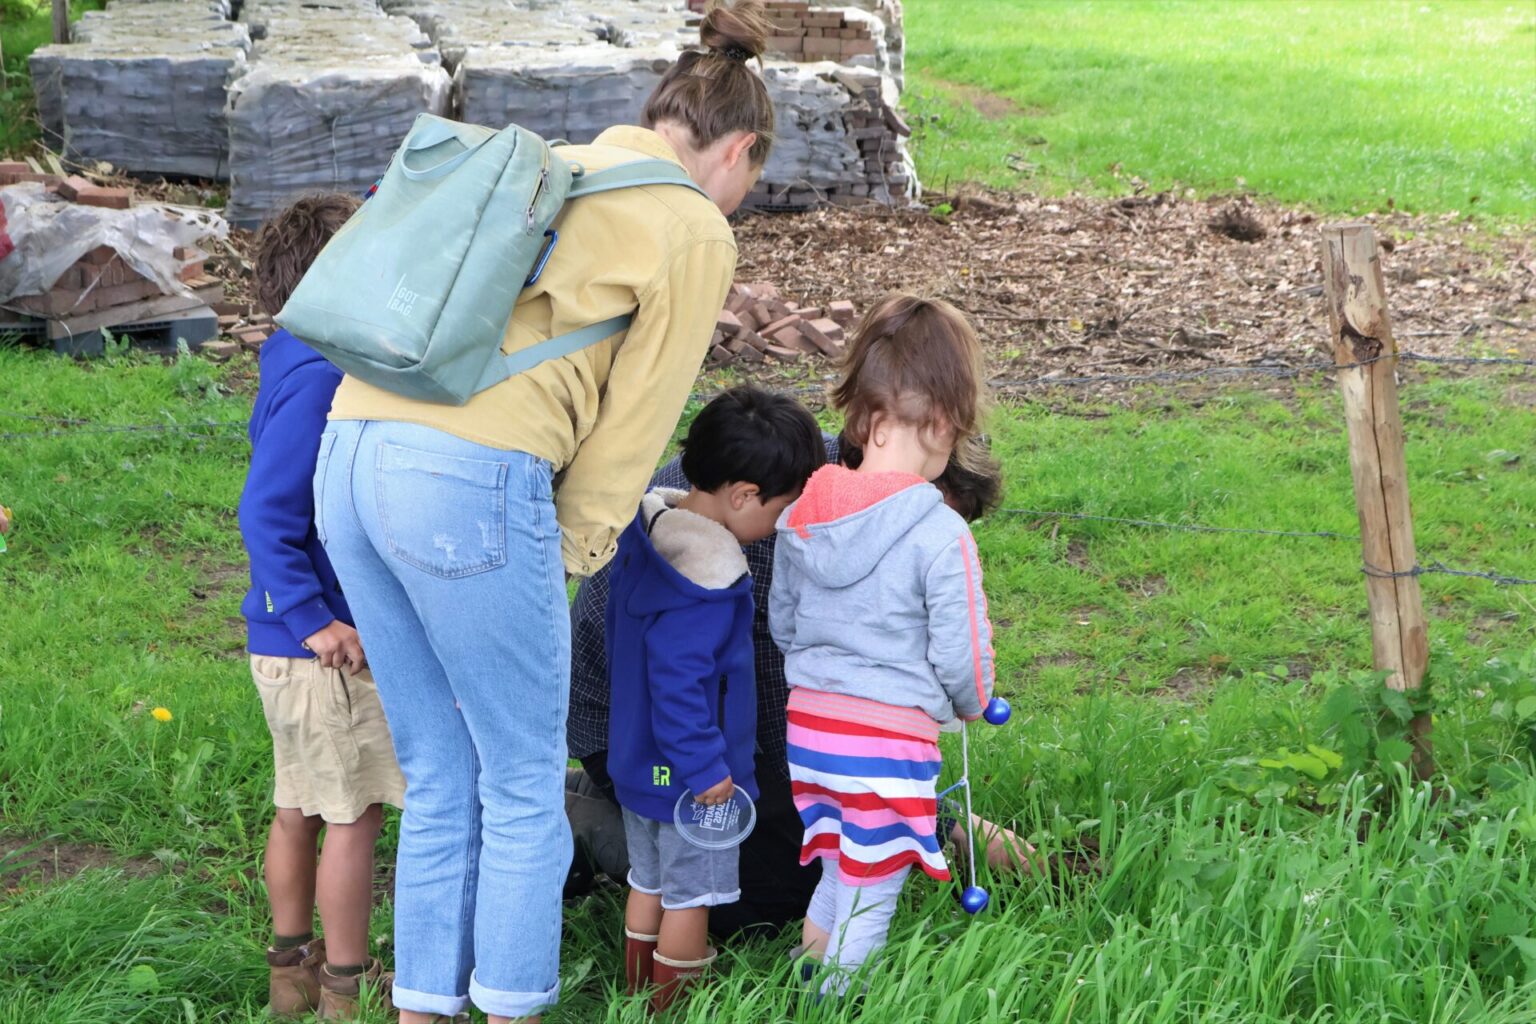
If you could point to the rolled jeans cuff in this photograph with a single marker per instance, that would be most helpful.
(512, 1004)
(427, 1002)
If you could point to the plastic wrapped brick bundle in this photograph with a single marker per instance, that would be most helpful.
(326, 101)
(143, 85)
(572, 93)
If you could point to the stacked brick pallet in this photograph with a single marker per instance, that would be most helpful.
(757, 324)
(300, 95)
(102, 289)
(142, 87)
(803, 33)
(327, 98)
(566, 71)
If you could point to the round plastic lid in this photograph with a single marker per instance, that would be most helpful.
(717, 827)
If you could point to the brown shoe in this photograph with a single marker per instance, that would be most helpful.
(293, 989)
(675, 977)
(340, 998)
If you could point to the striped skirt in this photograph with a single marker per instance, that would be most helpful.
(864, 776)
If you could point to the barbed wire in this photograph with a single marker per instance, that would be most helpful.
(210, 429)
(1190, 527)
(1277, 370)
(1499, 578)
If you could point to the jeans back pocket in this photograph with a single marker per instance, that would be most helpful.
(442, 514)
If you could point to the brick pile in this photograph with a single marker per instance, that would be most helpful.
(758, 324)
(801, 32)
(101, 282)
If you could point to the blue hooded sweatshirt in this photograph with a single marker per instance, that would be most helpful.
(680, 657)
(294, 592)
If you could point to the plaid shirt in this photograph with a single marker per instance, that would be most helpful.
(587, 722)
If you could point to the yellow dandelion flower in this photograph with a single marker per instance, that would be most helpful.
(161, 714)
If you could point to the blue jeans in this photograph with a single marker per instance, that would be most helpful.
(450, 557)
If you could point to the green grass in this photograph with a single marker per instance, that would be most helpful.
(25, 26)
(1339, 104)
(1221, 901)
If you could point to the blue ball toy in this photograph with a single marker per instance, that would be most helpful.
(997, 713)
(974, 899)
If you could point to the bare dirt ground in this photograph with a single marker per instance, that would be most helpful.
(1149, 284)
(1086, 286)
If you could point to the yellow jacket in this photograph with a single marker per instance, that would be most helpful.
(603, 415)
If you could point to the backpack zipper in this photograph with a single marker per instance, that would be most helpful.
(538, 190)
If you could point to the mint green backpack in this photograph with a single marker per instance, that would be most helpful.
(414, 293)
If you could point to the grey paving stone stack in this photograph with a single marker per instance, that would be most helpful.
(142, 86)
(328, 96)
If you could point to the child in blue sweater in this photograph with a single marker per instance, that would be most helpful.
(333, 758)
(680, 656)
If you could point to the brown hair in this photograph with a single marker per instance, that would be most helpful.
(289, 242)
(712, 91)
(919, 361)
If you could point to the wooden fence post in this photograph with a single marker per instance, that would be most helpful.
(1362, 333)
(61, 21)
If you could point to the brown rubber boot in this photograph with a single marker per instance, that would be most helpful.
(674, 978)
(341, 997)
(293, 988)
(638, 952)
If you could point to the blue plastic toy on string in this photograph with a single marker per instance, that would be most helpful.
(974, 899)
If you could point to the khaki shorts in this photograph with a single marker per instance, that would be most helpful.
(330, 743)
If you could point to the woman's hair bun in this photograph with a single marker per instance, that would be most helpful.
(736, 29)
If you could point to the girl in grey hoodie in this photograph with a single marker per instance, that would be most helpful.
(878, 606)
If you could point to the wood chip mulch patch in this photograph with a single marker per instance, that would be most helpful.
(1081, 286)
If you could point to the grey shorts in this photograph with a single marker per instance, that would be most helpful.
(663, 863)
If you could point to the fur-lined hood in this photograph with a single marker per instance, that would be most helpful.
(700, 549)
(687, 558)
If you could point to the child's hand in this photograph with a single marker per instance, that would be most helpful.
(719, 793)
(337, 646)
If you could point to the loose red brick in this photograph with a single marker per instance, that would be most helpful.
(826, 335)
(71, 187)
(841, 311)
(191, 271)
(806, 312)
(754, 339)
(787, 355)
(774, 327)
(727, 323)
(11, 170)
(107, 198)
(749, 353)
(721, 355)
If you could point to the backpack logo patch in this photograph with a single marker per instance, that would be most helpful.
(403, 300)
(661, 775)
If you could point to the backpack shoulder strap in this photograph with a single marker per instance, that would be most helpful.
(629, 175)
(554, 348)
(625, 175)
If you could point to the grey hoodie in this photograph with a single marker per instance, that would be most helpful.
(877, 594)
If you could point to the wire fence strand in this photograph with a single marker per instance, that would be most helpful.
(1500, 578)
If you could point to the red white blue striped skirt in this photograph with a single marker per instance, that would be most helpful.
(864, 776)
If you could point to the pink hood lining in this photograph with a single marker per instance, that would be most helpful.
(836, 491)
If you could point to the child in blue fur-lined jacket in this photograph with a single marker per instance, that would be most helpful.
(680, 656)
